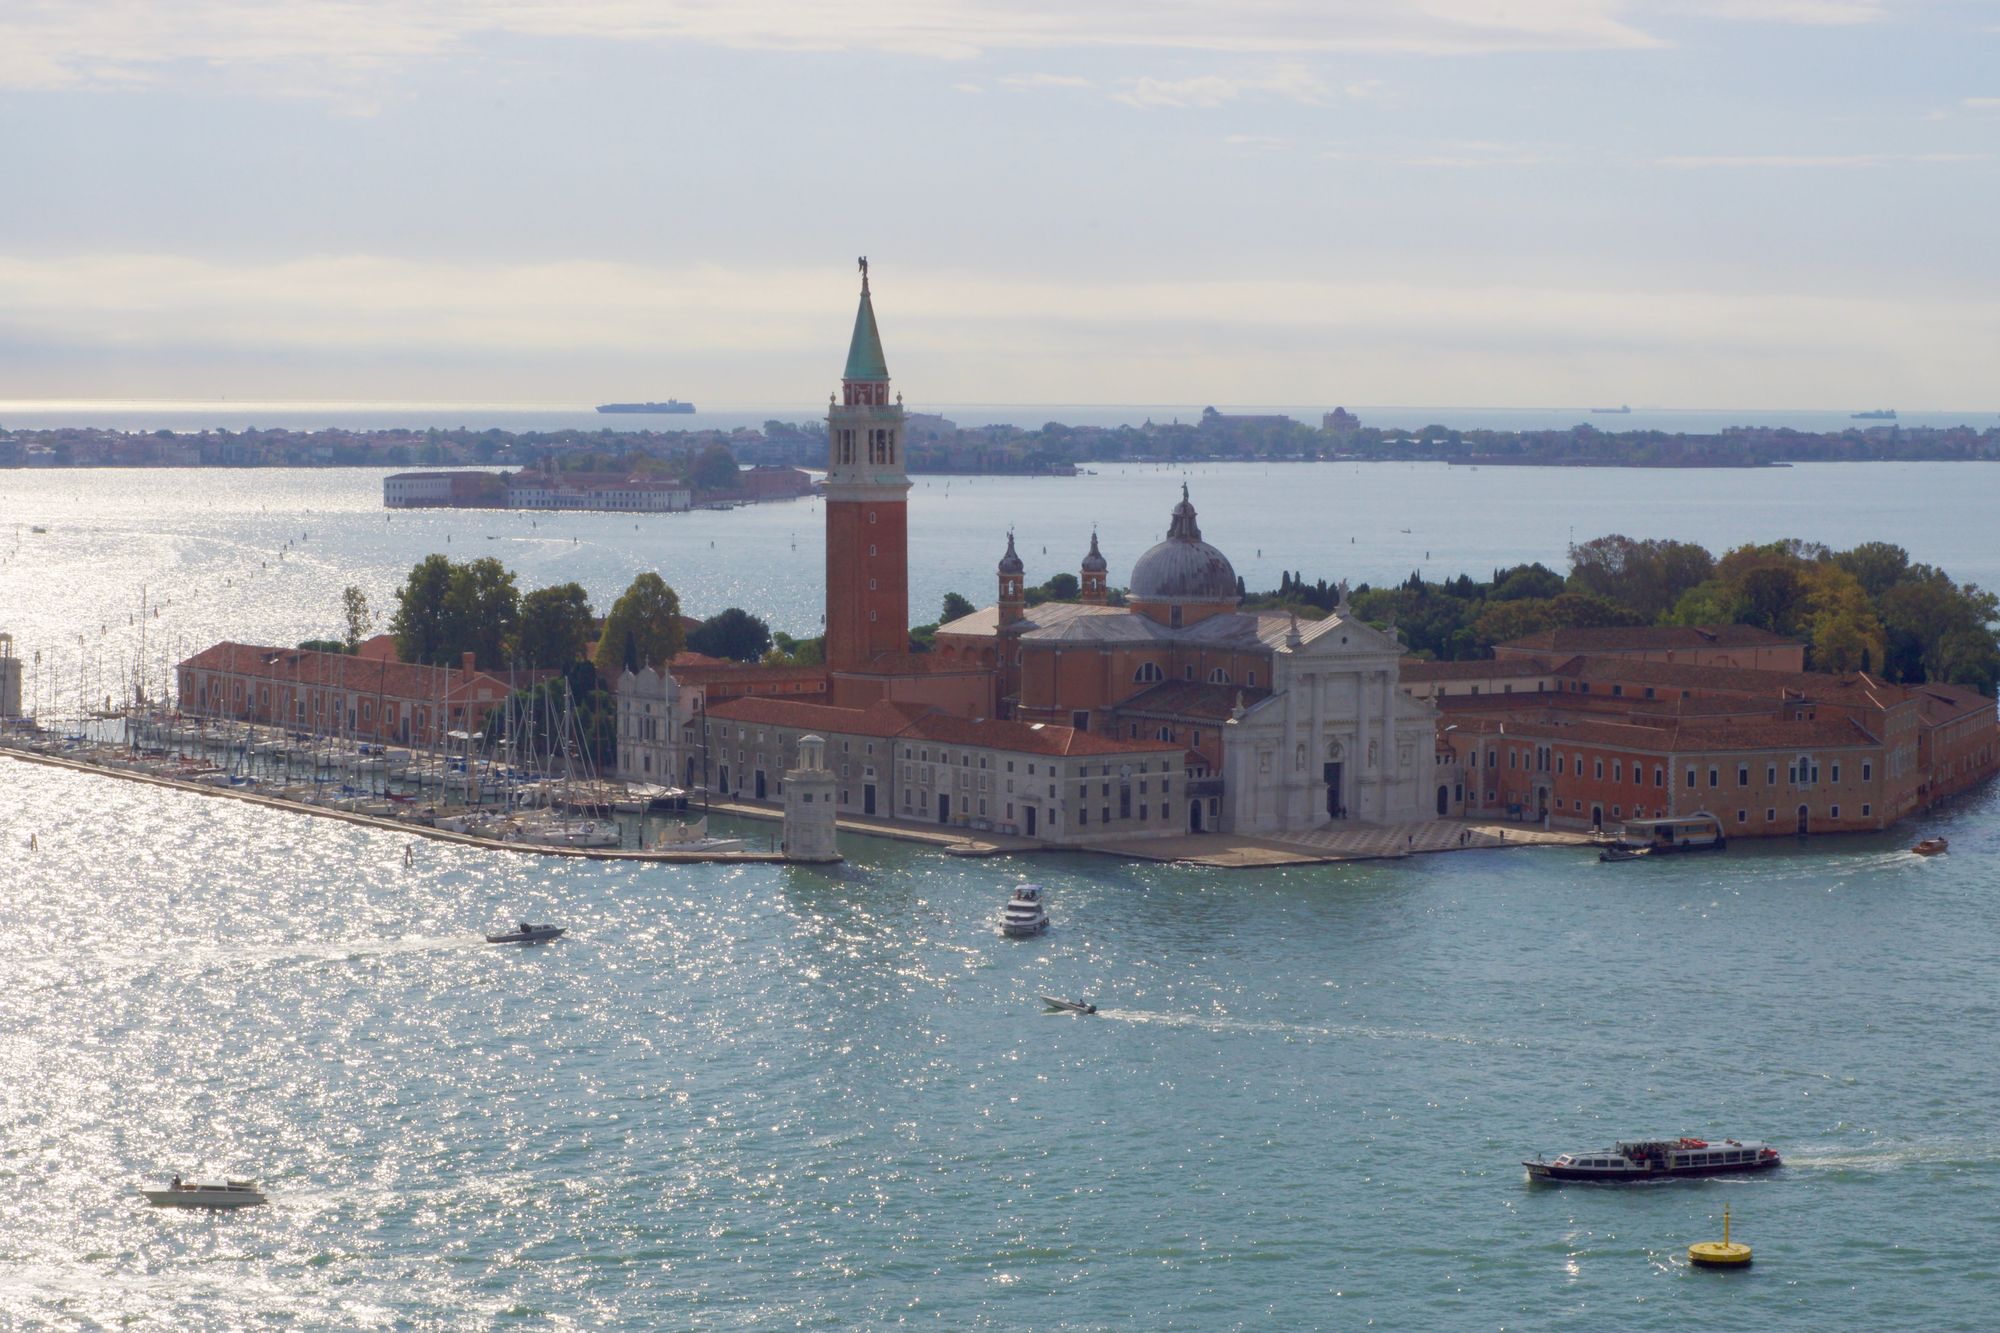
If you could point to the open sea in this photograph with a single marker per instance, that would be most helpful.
(770, 1097)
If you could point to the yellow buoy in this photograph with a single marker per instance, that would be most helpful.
(1719, 1253)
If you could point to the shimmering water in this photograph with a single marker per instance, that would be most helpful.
(770, 1097)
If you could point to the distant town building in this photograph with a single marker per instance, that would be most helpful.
(1339, 420)
(604, 492)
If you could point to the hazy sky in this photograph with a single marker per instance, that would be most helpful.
(1733, 203)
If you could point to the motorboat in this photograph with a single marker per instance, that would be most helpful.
(682, 836)
(1930, 847)
(1025, 912)
(568, 833)
(1620, 852)
(1658, 1159)
(527, 934)
(1057, 1005)
(206, 1194)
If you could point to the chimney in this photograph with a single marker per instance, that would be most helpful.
(465, 661)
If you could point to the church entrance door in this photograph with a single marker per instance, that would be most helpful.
(1334, 808)
(1031, 819)
(1194, 816)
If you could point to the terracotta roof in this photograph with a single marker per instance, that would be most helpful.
(1946, 703)
(1485, 668)
(1213, 703)
(1644, 638)
(1029, 737)
(1855, 688)
(924, 723)
(362, 675)
(1676, 737)
(878, 719)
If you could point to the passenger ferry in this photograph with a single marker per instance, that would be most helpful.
(1025, 913)
(1658, 1159)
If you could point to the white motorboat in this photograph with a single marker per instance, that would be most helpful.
(1025, 913)
(682, 836)
(527, 934)
(568, 833)
(206, 1194)
(1058, 1005)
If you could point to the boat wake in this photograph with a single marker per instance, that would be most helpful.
(1368, 1032)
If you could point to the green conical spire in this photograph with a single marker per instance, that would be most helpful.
(864, 354)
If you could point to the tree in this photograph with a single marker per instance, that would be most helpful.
(359, 619)
(555, 626)
(419, 620)
(715, 470)
(788, 651)
(955, 608)
(1510, 585)
(1059, 588)
(1879, 566)
(323, 646)
(650, 612)
(733, 633)
(481, 609)
(1845, 632)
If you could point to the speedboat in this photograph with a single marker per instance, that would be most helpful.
(1658, 1159)
(527, 934)
(1930, 847)
(206, 1194)
(1058, 1005)
(1620, 852)
(1025, 913)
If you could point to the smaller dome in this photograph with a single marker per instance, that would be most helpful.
(1094, 563)
(1011, 563)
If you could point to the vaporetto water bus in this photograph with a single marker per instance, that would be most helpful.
(1658, 1159)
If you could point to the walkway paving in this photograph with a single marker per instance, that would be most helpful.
(1348, 841)
(957, 842)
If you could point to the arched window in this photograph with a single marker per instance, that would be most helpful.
(1149, 673)
(1218, 677)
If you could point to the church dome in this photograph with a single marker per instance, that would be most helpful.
(1094, 563)
(1184, 568)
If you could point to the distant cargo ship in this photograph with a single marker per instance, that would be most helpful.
(1879, 414)
(671, 405)
(1622, 410)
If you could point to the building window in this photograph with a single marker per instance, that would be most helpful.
(1770, 816)
(1690, 779)
(1218, 677)
(1867, 771)
(1864, 812)
(1714, 777)
(1742, 816)
(1836, 772)
(1834, 812)
(1251, 679)
(1148, 673)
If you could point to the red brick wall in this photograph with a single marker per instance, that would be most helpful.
(853, 639)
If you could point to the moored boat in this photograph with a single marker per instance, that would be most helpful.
(206, 1194)
(1025, 912)
(1930, 847)
(1667, 836)
(1658, 1159)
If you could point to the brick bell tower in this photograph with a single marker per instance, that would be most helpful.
(867, 504)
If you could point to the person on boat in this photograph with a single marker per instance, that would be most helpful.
(175, 1183)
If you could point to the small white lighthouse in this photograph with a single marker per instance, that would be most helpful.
(809, 805)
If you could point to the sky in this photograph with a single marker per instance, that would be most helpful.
(1680, 203)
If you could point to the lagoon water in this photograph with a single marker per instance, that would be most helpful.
(767, 1097)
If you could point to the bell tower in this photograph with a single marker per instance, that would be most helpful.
(867, 503)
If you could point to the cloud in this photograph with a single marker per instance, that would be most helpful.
(337, 43)
(1290, 83)
(1819, 13)
(1485, 153)
(1046, 81)
(1980, 103)
(1817, 161)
